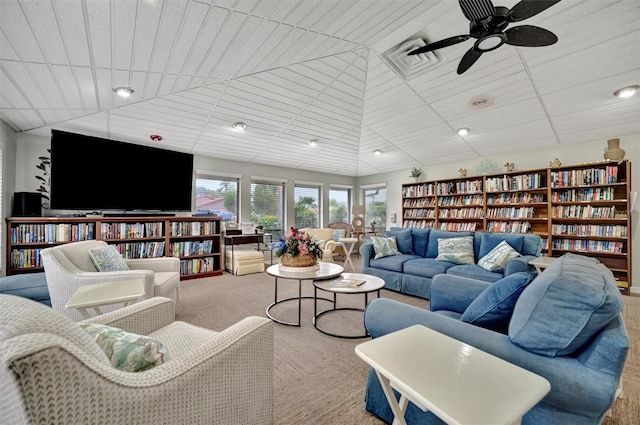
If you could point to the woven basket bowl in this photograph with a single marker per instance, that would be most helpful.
(298, 261)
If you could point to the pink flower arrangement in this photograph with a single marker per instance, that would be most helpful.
(297, 243)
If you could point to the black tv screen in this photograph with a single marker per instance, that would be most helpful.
(92, 173)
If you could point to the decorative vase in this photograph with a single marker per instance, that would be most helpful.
(614, 153)
(416, 179)
(306, 260)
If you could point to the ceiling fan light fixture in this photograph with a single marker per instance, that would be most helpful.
(123, 91)
(463, 131)
(239, 126)
(377, 152)
(313, 142)
(627, 92)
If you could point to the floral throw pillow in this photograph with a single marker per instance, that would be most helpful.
(127, 351)
(456, 250)
(107, 259)
(497, 258)
(384, 247)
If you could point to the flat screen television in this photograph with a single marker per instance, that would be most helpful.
(95, 174)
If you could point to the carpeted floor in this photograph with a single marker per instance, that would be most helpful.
(318, 378)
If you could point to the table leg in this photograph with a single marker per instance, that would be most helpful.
(83, 312)
(398, 408)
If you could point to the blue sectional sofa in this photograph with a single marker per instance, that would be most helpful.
(28, 285)
(412, 271)
(564, 325)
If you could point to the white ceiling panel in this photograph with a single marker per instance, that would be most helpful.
(297, 70)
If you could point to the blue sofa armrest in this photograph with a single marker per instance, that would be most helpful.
(367, 252)
(454, 293)
(575, 387)
(519, 264)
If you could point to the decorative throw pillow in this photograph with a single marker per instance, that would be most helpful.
(384, 247)
(456, 250)
(321, 243)
(489, 240)
(107, 259)
(338, 233)
(492, 309)
(127, 351)
(498, 257)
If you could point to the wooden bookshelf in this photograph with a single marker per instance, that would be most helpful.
(580, 208)
(196, 241)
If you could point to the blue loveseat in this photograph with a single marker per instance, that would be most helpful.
(564, 325)
(411, 272)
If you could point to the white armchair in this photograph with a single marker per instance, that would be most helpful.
(61, 376)
(325, 235)
(69, 266)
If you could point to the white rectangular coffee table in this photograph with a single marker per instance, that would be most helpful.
(101, 294)
(457, 382)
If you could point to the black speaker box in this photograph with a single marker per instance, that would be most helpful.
(27, 204)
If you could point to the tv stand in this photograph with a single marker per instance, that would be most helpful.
(138, 214)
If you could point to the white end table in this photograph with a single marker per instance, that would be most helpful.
(101, 294)
(541, 263)
(457, 382)
(348, 244)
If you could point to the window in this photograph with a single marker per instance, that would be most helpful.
(267, 207)
(217, 195)
(307, 205)
(339, 204)
(375, 203)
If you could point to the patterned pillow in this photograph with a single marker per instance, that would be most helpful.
(456, 250)
(338, 233)
(107, 259)
(321, 243)
(498, 257)
(384, 247)
(127, 351)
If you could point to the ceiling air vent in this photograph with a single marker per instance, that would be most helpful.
(409, 66)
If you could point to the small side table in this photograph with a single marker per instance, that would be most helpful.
(541, 263)
(101, 294)
(348, 244)
(449, 378)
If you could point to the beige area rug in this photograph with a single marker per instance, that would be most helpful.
(319, 380)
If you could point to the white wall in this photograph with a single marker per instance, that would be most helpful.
(8, 140)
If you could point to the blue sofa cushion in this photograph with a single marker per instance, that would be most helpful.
(27, 285)
(434, 235)
(426, 267)
(474, 271)
(420, 241)
(488, 241)
(492, 309)
(565, 306)
(404, 240)
(392, 263)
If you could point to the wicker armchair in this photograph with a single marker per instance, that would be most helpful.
(339, 249)
(59, 375)
(68, 266)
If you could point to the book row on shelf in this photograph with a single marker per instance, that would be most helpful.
(519, 182)
(523, 212)
(461, 200)
(419, 213)
(462, 213)
(197, 266)
(509, 226)
(25, 258)
(585, 177)
(516, 198)
(47, 232)
(188, 228)
(185, 249)
(131, 230)
(459, 227)
(584, 195)
(611, 230)
(419, 203)
(583, 211)
(615, 247)
(464, 186)
(423, 189)
(131, 250)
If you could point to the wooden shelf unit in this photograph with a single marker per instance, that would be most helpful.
(580, 208)
(196, 241)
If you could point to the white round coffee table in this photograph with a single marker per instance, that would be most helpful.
(346, 283)
(323, 271)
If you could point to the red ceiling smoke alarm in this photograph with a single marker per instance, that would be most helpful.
(155, 137)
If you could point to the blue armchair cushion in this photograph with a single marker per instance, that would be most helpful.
(496, 259)
(565, 306)
(492, 309)
(404, 240)
(489, 241)
(456, 250)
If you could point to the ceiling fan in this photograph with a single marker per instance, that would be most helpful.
(488, 24)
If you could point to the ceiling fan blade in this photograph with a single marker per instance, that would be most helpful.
(477, 10)
(528, 8)
(440, 44)
(529, 36)
(468, 59)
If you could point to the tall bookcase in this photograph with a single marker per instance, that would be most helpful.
(196, 241)
(580, 208)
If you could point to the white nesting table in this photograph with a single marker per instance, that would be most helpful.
(541, 263)
(348, 244)
(101, 294)
(457, 382)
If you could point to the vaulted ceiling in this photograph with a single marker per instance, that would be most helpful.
(296, 70)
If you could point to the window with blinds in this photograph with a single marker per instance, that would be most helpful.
(267, 207)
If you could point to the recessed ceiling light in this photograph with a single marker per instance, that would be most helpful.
(123, 91)
(627, 91)
(377, 152)
(313, 142)
(239, 126)
(463, 131)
